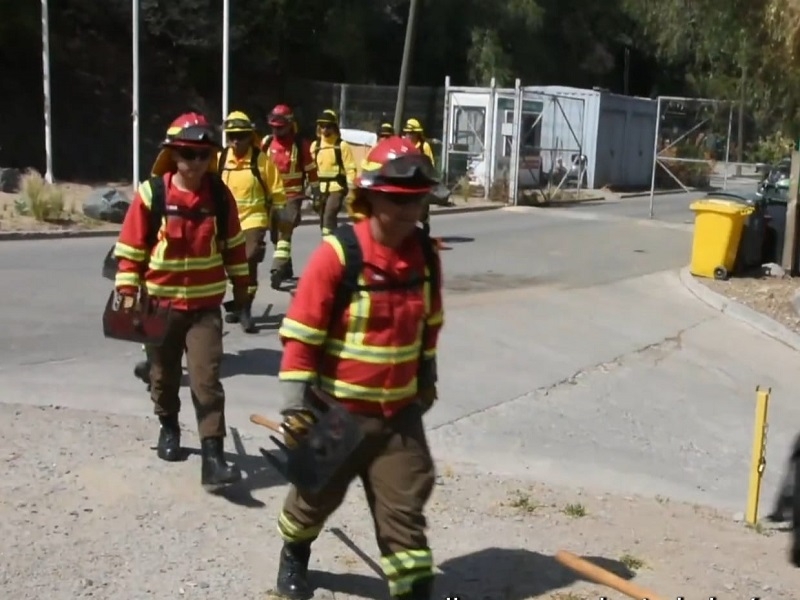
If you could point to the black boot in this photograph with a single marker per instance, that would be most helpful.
(246, 320)
(289, 270)
(783, 509)
(169, 439)
(293, 571)
(142, 371)
(275, 278)
(232, 317)
(215, 471)
(420, 590)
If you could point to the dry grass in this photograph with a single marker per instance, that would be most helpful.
(41, 200)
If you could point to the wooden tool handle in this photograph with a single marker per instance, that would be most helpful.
(265, 422)
(599, 575)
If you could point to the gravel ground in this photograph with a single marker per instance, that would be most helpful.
(768, 295)
(89, 512)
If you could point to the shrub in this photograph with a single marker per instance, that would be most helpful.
(41, 200)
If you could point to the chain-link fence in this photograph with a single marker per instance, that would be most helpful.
(364, 106)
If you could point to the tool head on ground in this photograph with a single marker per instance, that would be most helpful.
(144, 323)
(191, 132)
(394, 166)
(318, 455)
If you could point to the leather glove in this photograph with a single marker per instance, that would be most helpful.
(129, 299)
(240, 297)
(295, 426)
(427, 397)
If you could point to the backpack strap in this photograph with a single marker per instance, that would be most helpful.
(257, 174)
(353, 265)
(159, 209)
(223, 158)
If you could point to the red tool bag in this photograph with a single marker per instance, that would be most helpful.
(144, 323)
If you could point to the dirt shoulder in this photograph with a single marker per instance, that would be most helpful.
(771, 296)
(88, 511)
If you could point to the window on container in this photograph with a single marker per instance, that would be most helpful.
(531, 134)
(469, 128)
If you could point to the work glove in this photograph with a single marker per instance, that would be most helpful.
(296, 425)
(130, 298)
(427, 397)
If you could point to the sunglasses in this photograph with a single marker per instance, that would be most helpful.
(190, 154)
(239, 135)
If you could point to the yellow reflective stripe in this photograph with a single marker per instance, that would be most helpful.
(292, 532)
(334, 243)
(250, 202)
(330, 174)
(429, 353)
(295, 330)
(405, 561)
(381, 355)
(127, 279)
(146, 194)
(302, 376)
(342, 389)
(185, 264)
(187, 291)
(358, 318)
(239, 270)
(401, 586)
(435, 319)
(234, 241)
(124, 251)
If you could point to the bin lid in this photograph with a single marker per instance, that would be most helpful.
(724, 207)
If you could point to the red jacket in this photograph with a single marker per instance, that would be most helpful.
(368, 360)
(185, 266)
(294, 169)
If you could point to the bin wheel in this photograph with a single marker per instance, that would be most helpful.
(721, 273)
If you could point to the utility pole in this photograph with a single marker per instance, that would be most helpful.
(135, 112)
(405, 67)
(48, 129)
(740, 124)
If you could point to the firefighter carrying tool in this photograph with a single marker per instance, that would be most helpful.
(172, 250)
(414, 131)
(292, 156)
(362, 333)
(336, 169)
(256, 184)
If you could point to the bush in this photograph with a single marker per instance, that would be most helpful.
(41, 200)
(770, 149)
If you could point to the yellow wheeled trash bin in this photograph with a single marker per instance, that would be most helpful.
(718, 226)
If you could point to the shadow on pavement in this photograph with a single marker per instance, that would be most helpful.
(496, 573)
(252, 361)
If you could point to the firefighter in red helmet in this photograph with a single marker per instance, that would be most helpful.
(180, 243)
(292, 156)
(385, 376)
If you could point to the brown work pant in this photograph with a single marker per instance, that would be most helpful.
(199, 334)
(255, 248)
(395, 466)
(329, 212)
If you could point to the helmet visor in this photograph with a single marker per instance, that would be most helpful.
(411, 171)
(194, 134)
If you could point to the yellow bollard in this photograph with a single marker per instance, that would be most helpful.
(759, 461)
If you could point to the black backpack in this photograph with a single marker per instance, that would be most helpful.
(354, 264)
(159, 209)
(223, 158)
(341, 178)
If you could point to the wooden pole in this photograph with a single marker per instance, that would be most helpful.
(790, 240)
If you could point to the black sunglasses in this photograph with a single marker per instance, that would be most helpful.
(190, 154)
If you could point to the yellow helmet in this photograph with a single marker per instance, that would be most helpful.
(328, 117)
(238, 121)
(413, 126)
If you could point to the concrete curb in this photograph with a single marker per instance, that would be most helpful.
(308, 219)
(739, 311)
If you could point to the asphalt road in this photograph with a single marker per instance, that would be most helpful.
(570, 353)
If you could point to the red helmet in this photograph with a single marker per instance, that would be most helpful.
(280, 116)
(397, 166)
(190, 129)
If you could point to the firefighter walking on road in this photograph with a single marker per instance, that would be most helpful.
(180, 243)
(336, 170)
(414, 131)
(384, 374)
(257, 186)
(293, 158)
